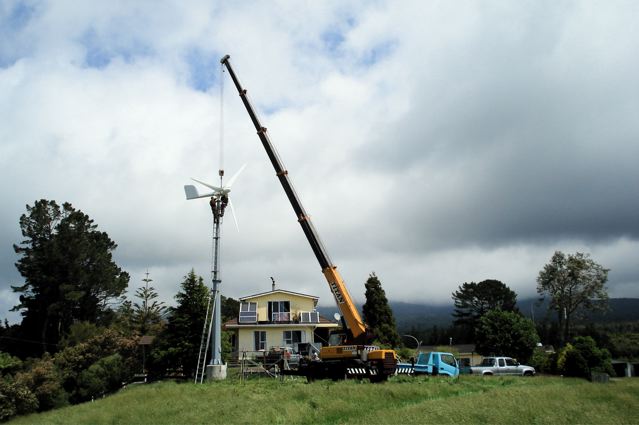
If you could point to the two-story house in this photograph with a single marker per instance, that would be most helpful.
(278, 318)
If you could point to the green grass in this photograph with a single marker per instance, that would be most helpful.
(469, 400)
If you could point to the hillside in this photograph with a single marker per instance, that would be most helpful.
(409, 314)
(468, 400)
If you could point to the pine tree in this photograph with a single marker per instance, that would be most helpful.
(378, 314)
(68, 270)
(180, 342)
(147, 315)
(473, 300)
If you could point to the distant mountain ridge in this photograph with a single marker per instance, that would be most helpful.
(409, 314)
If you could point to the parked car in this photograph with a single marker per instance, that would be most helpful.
(502, 366)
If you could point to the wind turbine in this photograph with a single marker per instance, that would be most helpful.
(221, 192)
(219, 199)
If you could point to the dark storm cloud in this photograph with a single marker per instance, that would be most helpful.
(516, 140)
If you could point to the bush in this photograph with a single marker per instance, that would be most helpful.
(505, 333)
(15, 399)
(9, 364)
(74, 361)
(625, 346)
(103, 377)
(574, 364)
(405, 353)
(80, 332)
(541, 361)
(45, 382)
(582, 357)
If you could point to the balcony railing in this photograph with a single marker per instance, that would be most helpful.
(281, 317)
(287, 317)
(308, 317)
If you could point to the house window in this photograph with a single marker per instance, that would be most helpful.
(248, 312)
(292, 337)
(309, 317)
(260, 340)
(279, 311)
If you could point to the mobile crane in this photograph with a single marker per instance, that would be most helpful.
(353, 357)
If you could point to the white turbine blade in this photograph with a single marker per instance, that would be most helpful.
(232, 179)
(215, 188)
(234, 217)
(192, 193)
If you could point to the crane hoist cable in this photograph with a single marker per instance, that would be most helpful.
(221, 123)
(221, 160)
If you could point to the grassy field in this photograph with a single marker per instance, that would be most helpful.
(469, 400)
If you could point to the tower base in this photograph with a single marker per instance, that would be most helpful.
(215, 372)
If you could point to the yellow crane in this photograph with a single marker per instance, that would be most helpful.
(353, 357)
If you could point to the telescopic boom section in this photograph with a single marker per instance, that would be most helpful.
(342, 297)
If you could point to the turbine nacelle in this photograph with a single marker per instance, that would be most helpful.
(191, 191)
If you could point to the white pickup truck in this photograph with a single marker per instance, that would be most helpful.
(502, 366)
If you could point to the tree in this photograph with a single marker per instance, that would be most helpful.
(582, 357)
(473, 300)
(506, 333)
(230, 308)
(15, 399)
(378, 314)
(44, 381)
(575, 283)
(147, 315)
(625, 346)
(72, 362)
(68, 270)
(179, 344)
(9, 364)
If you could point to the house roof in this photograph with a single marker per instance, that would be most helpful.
(280, 291)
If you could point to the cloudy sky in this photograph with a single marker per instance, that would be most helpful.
(431, 142)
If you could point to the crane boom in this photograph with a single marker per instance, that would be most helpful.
(343, 299)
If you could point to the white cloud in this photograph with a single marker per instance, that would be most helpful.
(430, 142)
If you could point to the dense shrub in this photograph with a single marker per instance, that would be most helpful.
(102, 377)
(582, 357)
(45, 382)
(405, 353)
(625, 345)
(15, 399)
(9, 364)
(504, 333)
(80, 332)
(541, 361)
(73, 361)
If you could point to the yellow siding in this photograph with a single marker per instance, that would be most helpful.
(274, 336)
(297, 303)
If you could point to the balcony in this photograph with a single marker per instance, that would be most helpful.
(281, 317)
